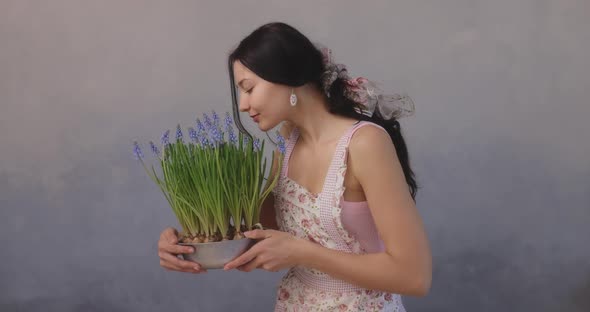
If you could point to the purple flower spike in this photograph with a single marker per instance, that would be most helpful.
(215, 119)
(233, 138)
(256, 144)
(166, 138)
(207, 121)
(211, 131)
(230, 129)
(193, 134)
(178, 134)
(281, 143)
(216, 135)
(137, 151)
(155, 149)
(203, 140)
(200, 127)
(228, 120)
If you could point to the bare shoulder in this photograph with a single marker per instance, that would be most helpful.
(370, 139)
(371, 153)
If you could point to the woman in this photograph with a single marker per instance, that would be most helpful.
(347, 227)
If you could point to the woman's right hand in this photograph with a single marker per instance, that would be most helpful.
(168, 251)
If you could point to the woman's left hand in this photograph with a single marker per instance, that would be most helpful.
(275, 251)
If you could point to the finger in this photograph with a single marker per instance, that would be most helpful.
(269, 266)
(258, 234)
(179, 263)
(170, 235)
(176, 249)
(171, 267)
(241, 260)
(248, 267)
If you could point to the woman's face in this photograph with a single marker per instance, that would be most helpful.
(267, 103)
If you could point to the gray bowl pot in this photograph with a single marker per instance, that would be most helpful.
(215, 255)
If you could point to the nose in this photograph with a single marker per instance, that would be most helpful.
(243, 104)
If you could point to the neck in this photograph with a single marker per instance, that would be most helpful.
(311, 116)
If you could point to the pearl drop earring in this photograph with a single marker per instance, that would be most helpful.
(293, 98)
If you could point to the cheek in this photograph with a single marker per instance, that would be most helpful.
(270, 98)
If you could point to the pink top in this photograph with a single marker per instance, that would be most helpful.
(356, 217)
(358, 221)
(327, 220)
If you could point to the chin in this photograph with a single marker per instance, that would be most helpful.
(266, 126)
(263, 127)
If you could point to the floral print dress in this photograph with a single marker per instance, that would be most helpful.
(316, 217)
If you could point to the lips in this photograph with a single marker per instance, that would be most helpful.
(255, 117)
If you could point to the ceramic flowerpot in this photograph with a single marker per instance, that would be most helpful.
(215, 255)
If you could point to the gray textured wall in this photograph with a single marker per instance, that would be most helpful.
(500, 142)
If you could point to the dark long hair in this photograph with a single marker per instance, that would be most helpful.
(279, 53)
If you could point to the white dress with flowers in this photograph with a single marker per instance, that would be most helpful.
(316, 217)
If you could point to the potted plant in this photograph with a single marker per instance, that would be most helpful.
(215, 184)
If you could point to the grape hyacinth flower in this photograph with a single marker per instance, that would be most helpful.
(281, 143)
(209, 129)
(215, 119)
(165, 138)
(257, 144)
(137, 151)
(178, 134)
(203, 140)
(192, 133)
(155, 149)
(233, 138)
(200, 127)
(201, 133)
(230, 129)
(215, 135)
(228, 121)
(207, 121)
(220, 136)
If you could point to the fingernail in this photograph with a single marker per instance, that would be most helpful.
(197, 267)
(190, 249)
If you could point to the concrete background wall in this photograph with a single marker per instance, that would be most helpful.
(500, 143)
